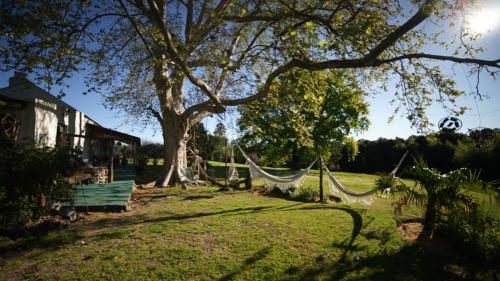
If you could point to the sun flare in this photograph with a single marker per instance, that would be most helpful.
(483, 20)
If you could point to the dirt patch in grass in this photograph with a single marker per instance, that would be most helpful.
(411, 230)
(438, 244)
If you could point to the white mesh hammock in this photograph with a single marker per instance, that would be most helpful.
(352, 197)
(348, 196)
(283, 183)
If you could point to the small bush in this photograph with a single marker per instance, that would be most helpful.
(385, 181)
(304, 195)
(26, 172)
(476, 232)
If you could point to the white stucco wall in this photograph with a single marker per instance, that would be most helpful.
(75, 128)
(45, 123)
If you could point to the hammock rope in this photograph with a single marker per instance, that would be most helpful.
(271, 181)
(395, 170)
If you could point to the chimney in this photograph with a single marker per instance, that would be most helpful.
(19, 78)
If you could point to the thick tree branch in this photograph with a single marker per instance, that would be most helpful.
(156, 17)
(189, 20)
(156, 114)
(423, 13)
(480, 62)
(354, 63)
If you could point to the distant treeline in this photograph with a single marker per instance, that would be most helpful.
(445, 151)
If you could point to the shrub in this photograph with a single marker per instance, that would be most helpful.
(385, 181)
(444, 193)
(303, 194)
(477, 233)
(26, 172)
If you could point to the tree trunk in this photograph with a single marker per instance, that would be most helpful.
(294, 163)
(430, 218)
(169, 84)
(175, 138)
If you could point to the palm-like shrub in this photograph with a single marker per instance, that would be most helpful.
(438, 193)
(385, 181)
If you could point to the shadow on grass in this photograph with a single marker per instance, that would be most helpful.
(418, 261)
(412, 262)
(116, 234)
(118, 222)
(197, 197)
(259, 255)
(357, 220)
(46, 241)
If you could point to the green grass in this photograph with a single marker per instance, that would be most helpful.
(203, 234)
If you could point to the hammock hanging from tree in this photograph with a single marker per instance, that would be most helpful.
(283, 183)
(352, 197)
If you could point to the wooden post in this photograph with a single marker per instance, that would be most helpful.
(111, 168)
(248, 181)
(321, 199)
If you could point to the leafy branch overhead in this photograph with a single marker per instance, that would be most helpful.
(230, 51)
(179, 61)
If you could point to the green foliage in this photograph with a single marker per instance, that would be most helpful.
(305, 113)
(439, 194)
(147, 151)
(210, 146)
(385, 180)
(350, 148)
(150, 150)
(443, 151)
(304, 195)
(200, 141)
(219, 145)
(477, 233)
(301, 194)
(28, 171)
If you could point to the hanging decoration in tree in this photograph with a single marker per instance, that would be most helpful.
(450, 124)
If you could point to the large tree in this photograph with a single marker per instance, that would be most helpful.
(182, 60)
(305, 113)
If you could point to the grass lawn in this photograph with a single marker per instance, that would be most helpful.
(204, 234)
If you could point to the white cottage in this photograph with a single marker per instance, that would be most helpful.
(31, 115)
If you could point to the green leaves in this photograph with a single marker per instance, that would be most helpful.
(306, 111)
(438, 193)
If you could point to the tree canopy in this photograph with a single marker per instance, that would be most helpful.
(182, 60)
(305, 112)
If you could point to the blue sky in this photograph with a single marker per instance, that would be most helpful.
(484, 113)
